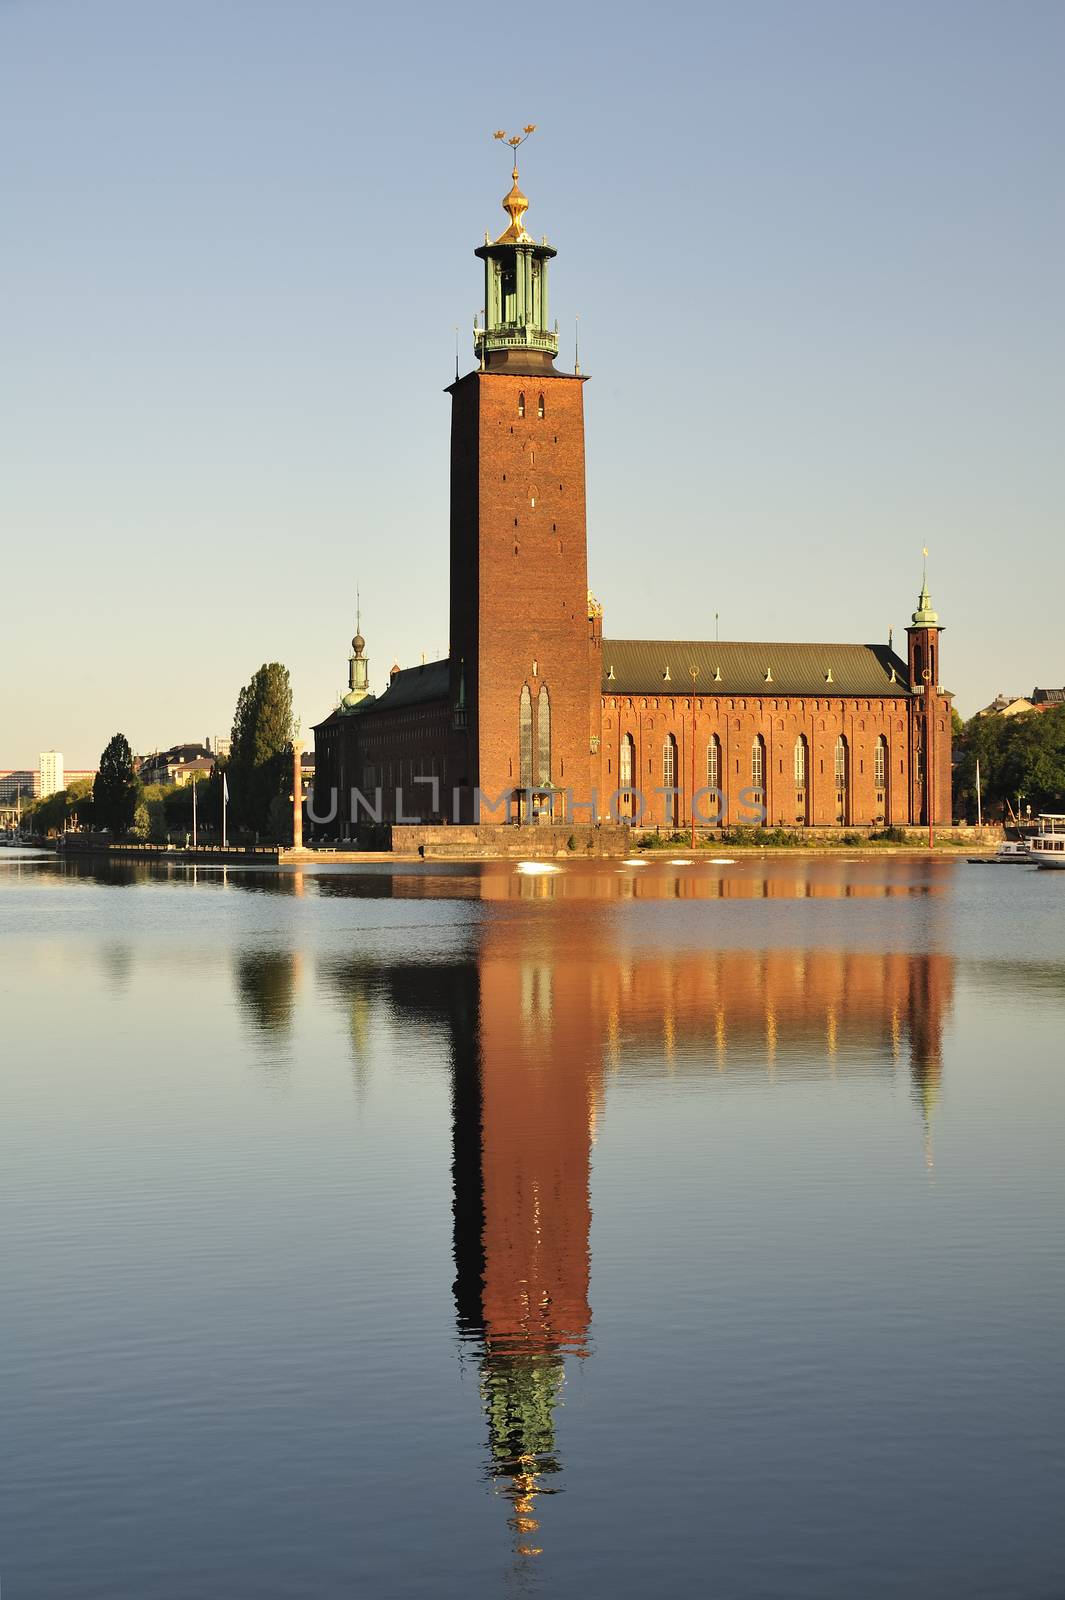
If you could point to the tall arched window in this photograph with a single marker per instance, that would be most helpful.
(521, 404)
(525, 762)
(669, 778)
(880, 763)
(713, 763)
(840, 768)
(626, 769)
(540, 407)
(800, 763)
(758, 764)
(626, 762)
(543, 735)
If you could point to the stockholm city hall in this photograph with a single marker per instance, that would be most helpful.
(532, 702)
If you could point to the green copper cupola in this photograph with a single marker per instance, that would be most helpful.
(516, 335)
(924, 616)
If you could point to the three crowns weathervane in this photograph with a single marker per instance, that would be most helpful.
(515, 204)
(515, 139)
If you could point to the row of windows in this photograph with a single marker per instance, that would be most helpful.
(541, 409)
(800, 762)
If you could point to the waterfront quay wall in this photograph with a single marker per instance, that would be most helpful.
(85, 844)
(535, 842)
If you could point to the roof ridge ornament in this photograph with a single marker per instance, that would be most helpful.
(515, 203)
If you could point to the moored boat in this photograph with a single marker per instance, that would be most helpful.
(1012, 851)
(1048, 846)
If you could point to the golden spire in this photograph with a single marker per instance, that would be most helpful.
(515, 204)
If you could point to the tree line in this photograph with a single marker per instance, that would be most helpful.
(1022, 763)
(257, 774)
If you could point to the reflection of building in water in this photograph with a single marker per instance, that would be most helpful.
(539, 1062)
(525, 1051)
(814, 1008)
(533, 1016)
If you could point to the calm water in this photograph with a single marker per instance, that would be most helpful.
(634, 1231)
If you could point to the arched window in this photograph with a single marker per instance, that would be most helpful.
(840, 768)
(713, 763)
(626, 761)
(521, 404)
(525, 773)
(540, 407)
(800, 762)
(758, 763)
(880, 763)
(543, 735)
(669, 762)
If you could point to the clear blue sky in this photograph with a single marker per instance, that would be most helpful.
(817, 254)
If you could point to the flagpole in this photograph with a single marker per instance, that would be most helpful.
(225, 797)
(979, 815)
(194, 811)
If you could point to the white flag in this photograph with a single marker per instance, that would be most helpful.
(225, 790)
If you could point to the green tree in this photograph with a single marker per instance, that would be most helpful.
(79, 802)
(153, 797)
(261, 753)
(1021, 759)
(177, 803)
(116, 790)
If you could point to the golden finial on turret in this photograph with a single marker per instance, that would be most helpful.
(515, 204)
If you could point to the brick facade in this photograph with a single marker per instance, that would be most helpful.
(519, 579)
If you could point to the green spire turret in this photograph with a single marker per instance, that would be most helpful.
(358, 667)
(516, 335)
(925, 616)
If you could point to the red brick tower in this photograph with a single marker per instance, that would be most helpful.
(930, 731)
(519, 580)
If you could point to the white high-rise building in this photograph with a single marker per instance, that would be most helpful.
(52, 779)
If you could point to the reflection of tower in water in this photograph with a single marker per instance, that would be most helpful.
(524, 1076)
(931, 987)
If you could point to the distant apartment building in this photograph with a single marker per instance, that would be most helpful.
(18, 783)
(177, 765)
(1015, 705)
(51, 769)
(1007, 705)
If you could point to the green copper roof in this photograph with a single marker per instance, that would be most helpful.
(924, 616)
(663, 666)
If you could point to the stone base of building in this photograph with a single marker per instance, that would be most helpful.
(541, 841)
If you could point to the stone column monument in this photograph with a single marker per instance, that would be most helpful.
(297, 794)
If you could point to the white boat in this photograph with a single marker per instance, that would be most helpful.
(1048, 846)
(1014, 850)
